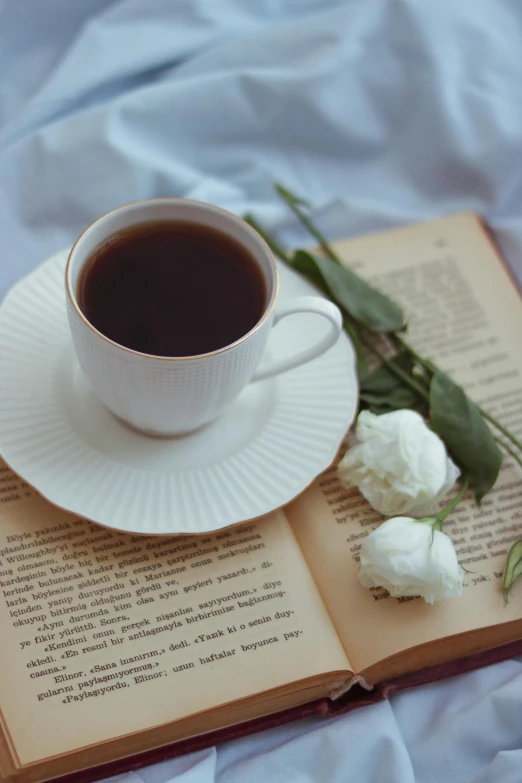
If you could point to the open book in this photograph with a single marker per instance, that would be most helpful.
(118, 650)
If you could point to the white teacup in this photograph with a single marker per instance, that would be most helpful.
(171, 396)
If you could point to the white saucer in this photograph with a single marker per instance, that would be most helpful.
(270, 444)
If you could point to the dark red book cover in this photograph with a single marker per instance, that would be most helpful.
(324, 708)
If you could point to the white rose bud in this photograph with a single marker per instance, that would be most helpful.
(410, 558)
(398, 464)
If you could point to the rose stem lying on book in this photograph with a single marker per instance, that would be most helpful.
(403, 379)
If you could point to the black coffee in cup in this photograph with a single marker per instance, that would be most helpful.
(172, 288)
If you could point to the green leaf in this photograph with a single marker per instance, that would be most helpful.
(361, 301)
(393, 400)
(459, 423)
(377, 410)
(361, 366)
(382, 380)
(513, 568)
(305, 264)
(381, 391)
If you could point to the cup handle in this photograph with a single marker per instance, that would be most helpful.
(305, 304)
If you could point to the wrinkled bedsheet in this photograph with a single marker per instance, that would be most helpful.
(381, 112)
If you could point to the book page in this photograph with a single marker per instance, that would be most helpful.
(106, 633)
(465, 314)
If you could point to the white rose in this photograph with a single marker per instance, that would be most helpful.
(398, 464)
(410, 558)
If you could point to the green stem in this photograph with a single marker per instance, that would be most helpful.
(352, 331)
(403, 376)
(293, 202)
(402, 345)
(272, 243)
(501, 428)
(446, 511)
(509, 451)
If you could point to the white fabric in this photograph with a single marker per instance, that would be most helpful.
(382, 113)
